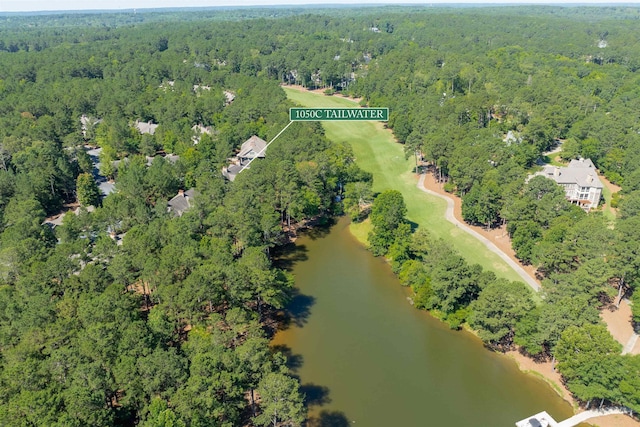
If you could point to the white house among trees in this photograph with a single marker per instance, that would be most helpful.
(579, 180)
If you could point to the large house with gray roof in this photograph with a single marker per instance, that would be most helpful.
(250, 149)
(579, 180)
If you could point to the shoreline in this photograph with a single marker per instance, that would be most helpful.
(525, 364)
(541, 370)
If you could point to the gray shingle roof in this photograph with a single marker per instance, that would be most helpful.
(581, 172)
(181, 202)
(251, 147)
(231, 171)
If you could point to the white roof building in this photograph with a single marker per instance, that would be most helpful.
(146, 127)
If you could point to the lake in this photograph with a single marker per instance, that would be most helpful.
(366, 357)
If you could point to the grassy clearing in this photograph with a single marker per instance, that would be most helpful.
(360, 231)
(554, 160)
(607, 210)
(377, 152)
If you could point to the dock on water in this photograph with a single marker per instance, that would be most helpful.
(543, 419)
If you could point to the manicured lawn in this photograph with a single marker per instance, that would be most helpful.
(360, 230)
(377, 152)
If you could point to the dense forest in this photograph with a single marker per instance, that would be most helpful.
(126, 314)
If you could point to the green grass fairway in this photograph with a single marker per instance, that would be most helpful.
(377, 152)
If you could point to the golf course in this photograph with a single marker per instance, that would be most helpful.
(376, 151)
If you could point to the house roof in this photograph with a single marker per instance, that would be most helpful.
(231, 171)
(54, 221)
(229, 96)
(251, 147)
(581, 163)
(181, 202)
(171, 158)
(201, 128)
(198, 131)
(87, 121)
(581, 172)
(148, 127)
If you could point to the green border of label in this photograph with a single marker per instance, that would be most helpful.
(338, 114)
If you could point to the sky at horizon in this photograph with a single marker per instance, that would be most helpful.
(58, 5)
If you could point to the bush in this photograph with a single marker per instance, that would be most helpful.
(615, 200)
(449, 187)
(457, 318)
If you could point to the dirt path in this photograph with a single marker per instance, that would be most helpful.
(427, 184)
(618, 321)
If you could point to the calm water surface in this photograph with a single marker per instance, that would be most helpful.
(365, 357)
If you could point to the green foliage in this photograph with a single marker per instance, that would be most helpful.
(449, 187)
(399, 251)
(457, 318)
(281, 401)
(635, 308)
(357, 199)
(387, 215)
(481, 204)
(71, 325)
(160, 415)
(499, 307)
(615, 200)
(590, 363)
(87, 190)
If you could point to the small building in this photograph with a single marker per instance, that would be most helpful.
(87, 123)
(579, 180)
(146, 127)
(252, 148)
(230, 172)
(180, 203)
(54, 221)
(167, 85)
(229, 97)
(198, 131)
